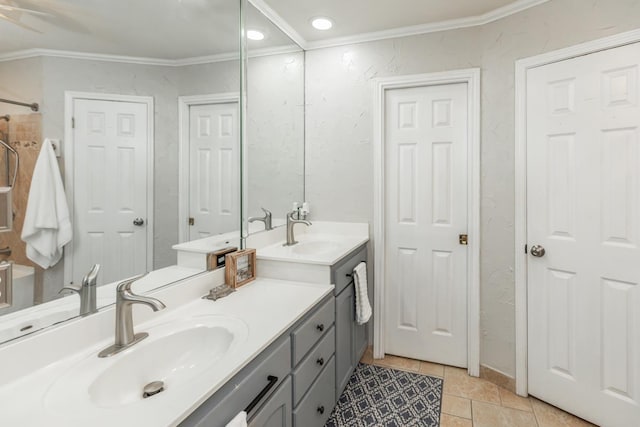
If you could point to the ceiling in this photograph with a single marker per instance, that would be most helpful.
(162, 29)
(181, 30)
(364, 20)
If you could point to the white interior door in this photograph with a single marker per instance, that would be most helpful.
(214, 176)
(110, 188)
(426, 211)
(583, 208)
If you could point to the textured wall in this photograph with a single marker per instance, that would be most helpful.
(275, 133)
(339, 127)
(20, 81)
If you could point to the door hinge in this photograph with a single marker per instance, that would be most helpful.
(192, 221)
(463, 239)
(73, 122)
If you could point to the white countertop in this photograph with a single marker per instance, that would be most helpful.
(336, 247)
(322, 243)
(267, 307)
(34, 318)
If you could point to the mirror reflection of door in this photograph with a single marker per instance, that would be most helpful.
(110, 188)
(214, 159)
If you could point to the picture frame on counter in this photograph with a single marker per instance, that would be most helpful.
(240, 267)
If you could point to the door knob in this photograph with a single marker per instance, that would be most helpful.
(537, 251)
(138, 222)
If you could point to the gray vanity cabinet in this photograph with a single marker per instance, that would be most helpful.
(243, 388)
(299, 363)
(314, 368)
(312, 361)
(351, 338)
(344, 338)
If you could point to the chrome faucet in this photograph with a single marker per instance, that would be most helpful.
(87, 291)
(291, 221)
(125, 299)
(266, 219)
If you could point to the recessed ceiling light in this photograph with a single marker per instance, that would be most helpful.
(255, 35)
(321, 23)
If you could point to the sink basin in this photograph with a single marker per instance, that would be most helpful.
(314, 247)
(175, 353)
(22, 323)
(322, 249)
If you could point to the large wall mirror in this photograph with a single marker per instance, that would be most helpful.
(274, 175)
(141, 100)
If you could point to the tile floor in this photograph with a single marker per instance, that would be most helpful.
(474, 402)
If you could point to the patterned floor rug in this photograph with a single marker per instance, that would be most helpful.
(384, 397)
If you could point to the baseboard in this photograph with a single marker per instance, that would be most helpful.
(499, 378)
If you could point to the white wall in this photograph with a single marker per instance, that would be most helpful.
(339, 127)
(275, 133)
(20, 81)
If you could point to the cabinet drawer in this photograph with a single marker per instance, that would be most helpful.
(315, 408)
(306, 336)
(238, 392)
(312, 365)
(340, 278)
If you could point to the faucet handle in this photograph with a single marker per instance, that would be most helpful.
(267, 212)
(70, 287)
(91, 277)
(125, 286)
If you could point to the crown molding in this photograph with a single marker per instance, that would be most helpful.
(453, 24)
(198, 60)
(473, 21)
(90, 56)
(284, 26)
(509, 9)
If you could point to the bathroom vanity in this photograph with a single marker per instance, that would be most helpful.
(298, 379)
(282, 349)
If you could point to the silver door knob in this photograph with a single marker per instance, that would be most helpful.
(537, 251)
(138, 222)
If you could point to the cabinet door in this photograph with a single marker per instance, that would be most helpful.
(360, 341)
(276, 412)
(344, 338)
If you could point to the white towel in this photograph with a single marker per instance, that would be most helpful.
(239, 420)
(363, 307)
(47, 227)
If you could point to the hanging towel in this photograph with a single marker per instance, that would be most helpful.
(47, 227)
(239, 420)
(363, 307)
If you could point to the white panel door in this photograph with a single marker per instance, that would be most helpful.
(214, 176)
(426, 211)
(583, 208)
(110, 188)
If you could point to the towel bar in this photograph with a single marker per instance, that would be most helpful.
(351, 274)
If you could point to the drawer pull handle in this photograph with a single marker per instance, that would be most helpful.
(321, 410)
(320, 327)
(320, 361)
(272, 381)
